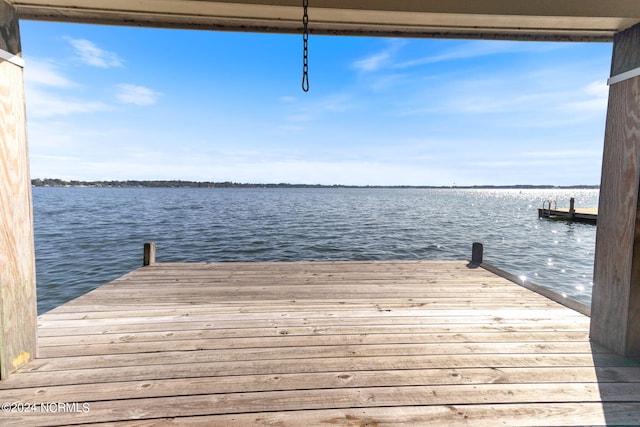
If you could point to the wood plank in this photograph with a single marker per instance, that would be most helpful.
(276, 337)
(328, 347)
(104, 305)
(497, 314)
(17, 268)
(287, 292)
(441, 307)
(183, 299)
(547, 414)
(436, 324)
(317, 286)
(240, 329)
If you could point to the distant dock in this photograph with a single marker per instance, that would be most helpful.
(551, 211)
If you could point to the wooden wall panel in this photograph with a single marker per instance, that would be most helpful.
(17, 258)
(616, 221)
(615, 309)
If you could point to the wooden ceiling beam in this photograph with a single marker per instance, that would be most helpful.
(579, 20)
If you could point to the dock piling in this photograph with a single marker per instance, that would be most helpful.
(572, 208)
(149, 256)
(477, 253)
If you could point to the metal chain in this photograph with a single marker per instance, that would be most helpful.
(305, 48)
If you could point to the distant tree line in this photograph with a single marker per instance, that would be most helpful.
(56, 182)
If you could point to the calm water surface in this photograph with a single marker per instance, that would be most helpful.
(86, 237)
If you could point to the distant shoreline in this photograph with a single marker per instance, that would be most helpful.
(55, 182)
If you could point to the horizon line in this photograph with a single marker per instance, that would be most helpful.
(179, 183)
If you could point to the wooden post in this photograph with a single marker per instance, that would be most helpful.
(572, 208)
(149, 257)
(477, 253)
(615, 307)
(17, 256)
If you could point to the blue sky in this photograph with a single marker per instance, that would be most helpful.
(121, 103)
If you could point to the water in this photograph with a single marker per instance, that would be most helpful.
(86, 237)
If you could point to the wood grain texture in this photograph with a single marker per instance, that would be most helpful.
(615, 301)
(281, 344)
(17, 258)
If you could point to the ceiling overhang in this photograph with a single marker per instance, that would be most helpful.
(572, 20)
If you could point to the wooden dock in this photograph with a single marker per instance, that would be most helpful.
(588, 215)
(550, 210)
(318, 344)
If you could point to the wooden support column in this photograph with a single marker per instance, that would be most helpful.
(17, 257)
(615, 309)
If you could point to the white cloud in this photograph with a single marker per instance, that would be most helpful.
(94, 56)
(598, 88)
(386, 82)
(562, 103)
(475, 49)
(44, 104)
(591, 98)
(137, 95)
(379, 60)
(372, 63)
(43, 80)
(588, 105)
(45, 73)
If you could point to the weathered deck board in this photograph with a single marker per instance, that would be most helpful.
(327, 343)
(449, 415)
